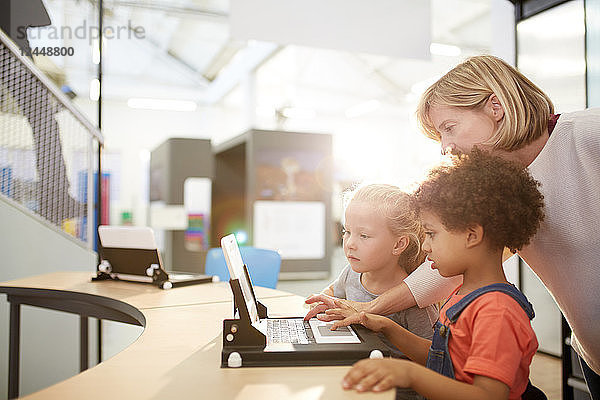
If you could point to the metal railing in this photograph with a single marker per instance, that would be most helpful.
(48, 149)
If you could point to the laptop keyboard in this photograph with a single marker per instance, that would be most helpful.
(295, 331)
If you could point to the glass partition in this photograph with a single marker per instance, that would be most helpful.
(551, 52)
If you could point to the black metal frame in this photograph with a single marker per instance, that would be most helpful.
(528, 8)
(85, 305)
(99, 183)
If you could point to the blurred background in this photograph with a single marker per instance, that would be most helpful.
(253, 117)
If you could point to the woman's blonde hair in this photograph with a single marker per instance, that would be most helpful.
(395, 205)
(470, 84)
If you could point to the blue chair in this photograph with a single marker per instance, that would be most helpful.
(263, 265)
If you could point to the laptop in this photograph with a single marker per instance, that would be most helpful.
(129, 253)
(263, 341)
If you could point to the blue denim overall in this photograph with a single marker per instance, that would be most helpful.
(439, 359)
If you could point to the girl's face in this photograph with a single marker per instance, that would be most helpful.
(444, 248)
(369, 245)
(461, 128)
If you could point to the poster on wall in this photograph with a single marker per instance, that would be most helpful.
(294, 228)
(197, 203)
(294, 175)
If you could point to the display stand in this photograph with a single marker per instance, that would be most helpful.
(276, 187)
(141, 266)
(172, 163)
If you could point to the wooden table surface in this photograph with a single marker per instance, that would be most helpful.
(178, 354)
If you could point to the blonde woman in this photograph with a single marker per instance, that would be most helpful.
(485, 102)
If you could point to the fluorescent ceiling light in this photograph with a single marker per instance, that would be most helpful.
(96, 52)
(94, 89)
(444, 50)
(300, 113)
(362, 108)
(162, 104)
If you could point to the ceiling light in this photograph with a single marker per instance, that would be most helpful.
(94, 89)
(363, 108)
(162, 104)
(444, 50)
(95, 52)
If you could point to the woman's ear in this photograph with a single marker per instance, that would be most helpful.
(400, 245)
(495, 108)
(474, 236)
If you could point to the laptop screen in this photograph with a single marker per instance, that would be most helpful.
(235, 264)
(127, 237)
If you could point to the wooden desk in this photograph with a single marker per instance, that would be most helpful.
(178, 354)
(139, 295)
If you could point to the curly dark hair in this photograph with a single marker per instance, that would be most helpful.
(485, 190)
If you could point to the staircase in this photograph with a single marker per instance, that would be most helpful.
(48, 150)
(48, 154)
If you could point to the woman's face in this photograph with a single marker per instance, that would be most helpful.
(461, 128)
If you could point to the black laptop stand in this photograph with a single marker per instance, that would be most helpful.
(239, 336)
(141, 266)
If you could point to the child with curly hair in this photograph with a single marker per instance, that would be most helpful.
(483, 342)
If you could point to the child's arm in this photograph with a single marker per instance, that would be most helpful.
(320, 302)
(328, 290)
(381, 375)
(422, 287)
(414, 347)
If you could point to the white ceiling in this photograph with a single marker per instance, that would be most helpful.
(187, 54)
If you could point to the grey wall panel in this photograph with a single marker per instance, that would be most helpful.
(49, 339)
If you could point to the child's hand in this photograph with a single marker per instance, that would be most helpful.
(346, 312)
(318, 304)
(374, 322)
(378, 375)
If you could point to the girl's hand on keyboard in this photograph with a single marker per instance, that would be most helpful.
(318, 304)
(346, 312)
